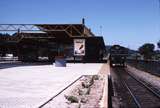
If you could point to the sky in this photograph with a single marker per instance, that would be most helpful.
(130, 23)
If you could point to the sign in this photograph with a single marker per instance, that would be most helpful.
(79, 47)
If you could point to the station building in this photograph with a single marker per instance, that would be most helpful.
(30, 42)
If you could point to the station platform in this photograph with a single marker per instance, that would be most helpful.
(105, 70)
(30, 86)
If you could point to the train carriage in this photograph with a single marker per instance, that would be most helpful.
(117, 55)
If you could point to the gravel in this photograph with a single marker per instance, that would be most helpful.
(90, 100)
(152, 79)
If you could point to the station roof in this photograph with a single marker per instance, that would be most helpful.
(72, 30)
(56, 30)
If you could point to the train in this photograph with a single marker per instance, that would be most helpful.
(117, 56)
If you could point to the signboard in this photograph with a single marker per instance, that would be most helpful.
(79, 47)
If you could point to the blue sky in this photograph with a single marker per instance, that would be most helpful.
(130, 23)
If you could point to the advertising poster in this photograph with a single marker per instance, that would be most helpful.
(79, 47)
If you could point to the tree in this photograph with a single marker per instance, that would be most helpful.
(147, 50)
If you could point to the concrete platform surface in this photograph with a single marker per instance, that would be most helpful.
(105, 70)
(30, 86)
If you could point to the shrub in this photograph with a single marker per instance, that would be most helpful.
(72, 99)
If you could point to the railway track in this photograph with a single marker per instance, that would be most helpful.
(143, 94)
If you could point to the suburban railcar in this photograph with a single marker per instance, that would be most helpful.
(117, 55)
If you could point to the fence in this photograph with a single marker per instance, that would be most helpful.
(150, 66)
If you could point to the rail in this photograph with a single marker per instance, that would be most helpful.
(146, 85)
(136, 88)
(134, 95)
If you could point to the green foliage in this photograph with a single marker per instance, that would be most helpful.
(72, 99)
(147, 50)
